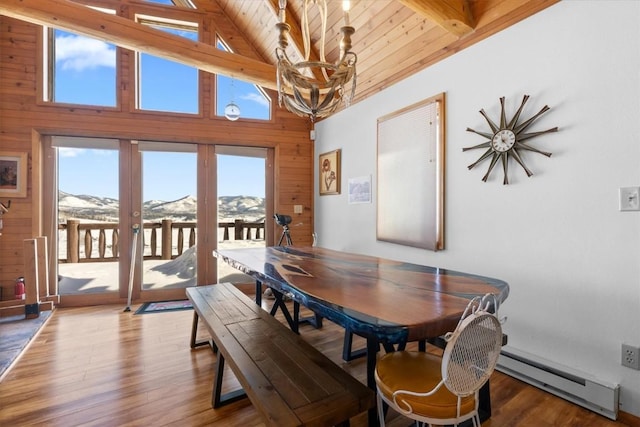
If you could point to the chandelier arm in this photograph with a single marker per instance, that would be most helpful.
(306, 38)
(323, 17)
(327, 99)
(353, 87)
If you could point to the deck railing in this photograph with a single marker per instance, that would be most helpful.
(99, 242)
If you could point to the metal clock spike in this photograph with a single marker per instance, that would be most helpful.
(503, 118)
(521, 127)
(493, 126)
(525, 136)
(485, 134)
(515, 118)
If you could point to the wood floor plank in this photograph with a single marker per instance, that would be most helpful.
(100, 366)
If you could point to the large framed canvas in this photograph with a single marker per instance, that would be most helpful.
(329, 173)
(410, 182)
(13, 174)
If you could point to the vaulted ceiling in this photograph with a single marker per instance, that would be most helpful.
(393, 38)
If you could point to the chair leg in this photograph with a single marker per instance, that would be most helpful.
(380, 410)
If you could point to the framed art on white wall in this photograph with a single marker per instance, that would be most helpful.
(329, 175)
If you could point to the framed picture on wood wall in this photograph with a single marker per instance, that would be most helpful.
(329, 173)
(13, 174)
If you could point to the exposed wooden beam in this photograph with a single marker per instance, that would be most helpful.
(453, 15)
(69, 16)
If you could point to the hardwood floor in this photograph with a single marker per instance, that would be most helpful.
(100, 366)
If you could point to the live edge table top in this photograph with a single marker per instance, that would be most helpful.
(392, 301)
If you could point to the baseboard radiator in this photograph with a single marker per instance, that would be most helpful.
(577, 387)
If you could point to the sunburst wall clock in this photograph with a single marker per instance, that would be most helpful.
(508, 140)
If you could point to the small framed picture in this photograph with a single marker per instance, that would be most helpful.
(360, 190)
(329, 173)
(13, 174)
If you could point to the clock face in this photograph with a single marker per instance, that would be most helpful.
(503, 140)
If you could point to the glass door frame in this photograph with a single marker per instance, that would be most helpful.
(130, 198)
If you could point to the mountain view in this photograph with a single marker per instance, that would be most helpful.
(248, 208)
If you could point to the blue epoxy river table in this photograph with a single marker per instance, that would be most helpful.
(387, 302)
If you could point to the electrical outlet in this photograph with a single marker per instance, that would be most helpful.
(631, 356)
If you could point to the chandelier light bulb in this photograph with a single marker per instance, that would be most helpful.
(346, 5)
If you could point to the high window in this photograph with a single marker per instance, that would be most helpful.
(252, 100)
(165, 85)
(83, 70)
(182, 3)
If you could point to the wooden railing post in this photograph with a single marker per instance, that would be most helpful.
(192, 237)
(153, 244)
(115, 241)
(238, 226)
(167, 236)
(88, 244)
(180, 240)
(73, 240)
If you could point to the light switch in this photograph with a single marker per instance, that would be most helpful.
(297, 209)
(630, 198)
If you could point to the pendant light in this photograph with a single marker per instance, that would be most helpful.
(232, 111)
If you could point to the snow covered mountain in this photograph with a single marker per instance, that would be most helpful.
(249, 208)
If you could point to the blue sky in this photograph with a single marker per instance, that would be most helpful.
(237, 175)
(86, 74)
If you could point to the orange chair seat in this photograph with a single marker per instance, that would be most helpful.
(419, 372)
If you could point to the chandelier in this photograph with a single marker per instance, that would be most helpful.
(315, 88)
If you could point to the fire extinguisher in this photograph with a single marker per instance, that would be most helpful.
(19, 289)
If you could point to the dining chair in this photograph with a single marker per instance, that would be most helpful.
(434, 389)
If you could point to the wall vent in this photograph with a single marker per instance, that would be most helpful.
(577, 387)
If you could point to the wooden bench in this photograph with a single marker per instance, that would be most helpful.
(287, 380)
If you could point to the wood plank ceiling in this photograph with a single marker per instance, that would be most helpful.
(393, 38)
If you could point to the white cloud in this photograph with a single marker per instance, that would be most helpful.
(257, 98)
(76, 152)
(79, 53)
(69, 152)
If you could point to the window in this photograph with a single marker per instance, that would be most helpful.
(83, 70)
(165, 85)
(182, 3)
(252, 100)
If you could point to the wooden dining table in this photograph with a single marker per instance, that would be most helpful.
(389, 303)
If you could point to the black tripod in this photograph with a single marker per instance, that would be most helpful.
(285, 234)
(296, 320)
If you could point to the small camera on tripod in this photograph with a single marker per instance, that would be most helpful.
(282, 220)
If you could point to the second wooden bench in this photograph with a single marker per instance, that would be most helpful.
(287, 380)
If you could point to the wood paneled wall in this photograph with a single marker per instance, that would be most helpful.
(24, 119)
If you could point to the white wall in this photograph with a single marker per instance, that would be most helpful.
(571, 258)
